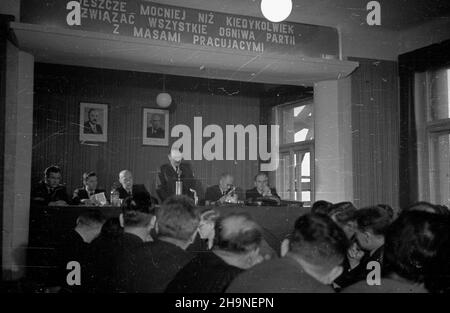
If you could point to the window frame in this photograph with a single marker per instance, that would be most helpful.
(295, 147)
(427, 131)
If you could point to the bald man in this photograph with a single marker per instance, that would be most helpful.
(128, 188)
(237, 244)
(224, 192)
(168, 175)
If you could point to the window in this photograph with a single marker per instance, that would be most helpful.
(294, 177)
(432, 98)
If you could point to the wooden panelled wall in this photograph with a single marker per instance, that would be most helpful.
(375, 125)
(60, 89)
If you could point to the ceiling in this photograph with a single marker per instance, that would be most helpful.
(90, 49)
(82, 48)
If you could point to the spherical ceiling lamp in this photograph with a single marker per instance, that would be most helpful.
(163, 100)
(276, 10)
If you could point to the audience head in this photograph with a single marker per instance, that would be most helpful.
(178, 219)
(90, 180)
(321, 207)
(52, 176)
(417, 248)
(226, 181)
(126, 179)
(389, 210)
(261, 181)
(427, 207)
(239, 237)
(111, 228)
(175, 156)
(89, 224)
(321, 244)
(371, 226)
(343, 214)
(137, 213)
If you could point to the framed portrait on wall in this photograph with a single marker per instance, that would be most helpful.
(155, 127)
(93, 122)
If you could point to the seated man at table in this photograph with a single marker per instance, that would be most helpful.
(74, 246)
(236, 248)
(317, 249)
(224, 192)
(107, 252)
(127, 187)
(262, 191)
(50, 191)
(84, 195)
(156, 264)
(168, 175)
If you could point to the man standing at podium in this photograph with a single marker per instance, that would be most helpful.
(169, 174)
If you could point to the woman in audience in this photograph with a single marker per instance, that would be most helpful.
(416, 252)
(205, 235)
(371, 226)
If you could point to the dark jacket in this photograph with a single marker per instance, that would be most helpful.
(42, 194)
(206, 273)
(105, 255)
(281, 275)
(155, 132)
(88, 129)
(213, 193)
(152, 267)
(253, 194)
(168, 177)
(81, 194)
(70, 248)
(136, 189)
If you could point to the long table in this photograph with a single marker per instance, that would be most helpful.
(47, 224)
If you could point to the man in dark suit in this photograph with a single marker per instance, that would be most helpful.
(156, 264)
(49, 191)
(236, 249)
(317, 248)
(128, 188)
(83, 195)
(262, 191)
(74, 246)
(91, 126)
(107, 253)
(224, 192)
(154, 129)
(168, 175)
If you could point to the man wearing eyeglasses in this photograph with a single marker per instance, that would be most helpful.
(224, 192)
(262, 191)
